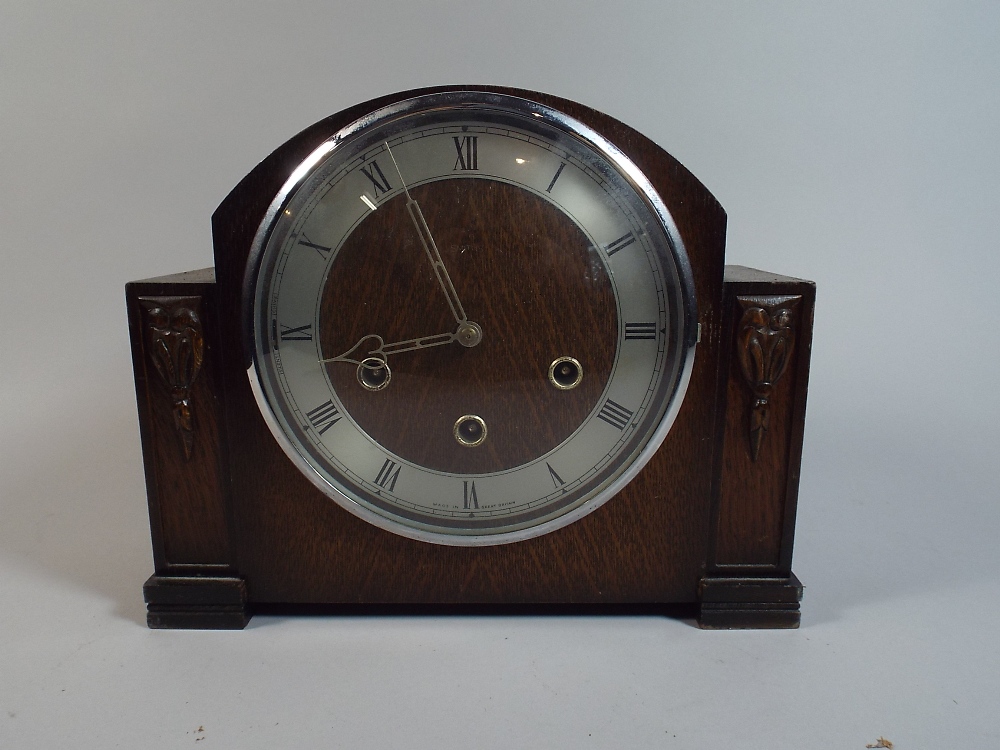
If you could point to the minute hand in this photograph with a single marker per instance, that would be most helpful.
(435, 258)
(430, 248)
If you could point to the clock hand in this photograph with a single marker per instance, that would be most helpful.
(374, 372)
(383, 350)
(473, 333)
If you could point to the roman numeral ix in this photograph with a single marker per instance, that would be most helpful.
(299, 333)
(468, 152)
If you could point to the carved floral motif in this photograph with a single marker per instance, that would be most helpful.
(175, 343)
(764, 343)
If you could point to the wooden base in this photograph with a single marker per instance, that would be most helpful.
(216, 603)
(747, 603)
(196, 602)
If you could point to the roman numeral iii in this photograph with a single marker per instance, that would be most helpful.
(615, 414)
(635, 331)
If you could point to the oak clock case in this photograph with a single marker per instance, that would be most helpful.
(472, 319)
(471, 346)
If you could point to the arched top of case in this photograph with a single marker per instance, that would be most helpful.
(699, 217)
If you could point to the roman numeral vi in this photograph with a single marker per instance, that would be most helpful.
(471, 499)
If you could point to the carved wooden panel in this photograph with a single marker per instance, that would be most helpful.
(767, 335)
(765, 341)
(175, 365)
(175, 345)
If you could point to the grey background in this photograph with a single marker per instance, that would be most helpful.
(852, 143)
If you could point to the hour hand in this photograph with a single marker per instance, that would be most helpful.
(382, 350)
(374, 371)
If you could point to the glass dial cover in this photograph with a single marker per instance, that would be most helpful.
(470, 318)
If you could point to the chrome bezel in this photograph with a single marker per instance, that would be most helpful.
(472, 100)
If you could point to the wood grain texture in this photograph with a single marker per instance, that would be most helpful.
(646, 545)
(537, 297)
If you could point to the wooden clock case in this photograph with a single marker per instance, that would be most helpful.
(708, 522)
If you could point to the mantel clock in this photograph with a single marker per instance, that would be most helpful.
(471, 346)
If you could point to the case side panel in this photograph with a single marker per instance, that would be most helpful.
(175, 365)
(763, 383)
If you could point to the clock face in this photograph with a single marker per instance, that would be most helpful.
(472, 319)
